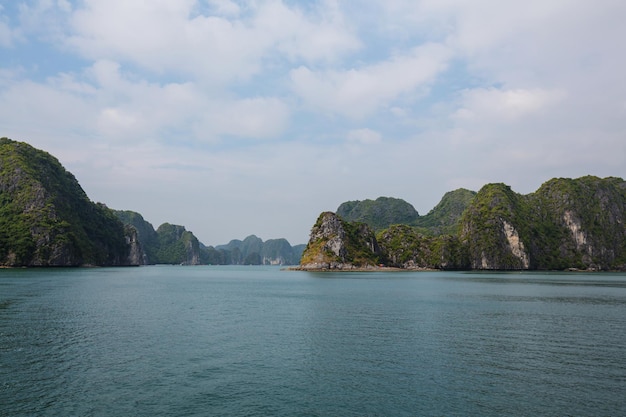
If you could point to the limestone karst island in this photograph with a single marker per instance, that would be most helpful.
(46, 219)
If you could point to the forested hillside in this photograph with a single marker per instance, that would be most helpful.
(46, 219)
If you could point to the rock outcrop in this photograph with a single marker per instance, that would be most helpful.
(46, 219)
(176, 245)
(565, 224)
(136, 254)
(336, 244)
(491, 228)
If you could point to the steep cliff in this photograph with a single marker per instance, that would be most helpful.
(46, 219)
(580, 223)
(565, 224)
(337, 244)
(176, 245)
(147, 237)
(495, 227)
(136, 254)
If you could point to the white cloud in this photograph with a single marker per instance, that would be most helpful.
(40, 108)
(225, 7)
(112, 105)
(364, 136)
(161, 36)
(323, 36)
(224, 47)
(256, 118)
(355, 93)
(490, 105)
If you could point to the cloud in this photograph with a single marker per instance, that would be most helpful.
(227, 46)
(364, 136)
(225, 8)
(490, 105)
(255, 118)
(320, 36)
(164, 37)
(38, 109)
(108, 103)
(356, 93)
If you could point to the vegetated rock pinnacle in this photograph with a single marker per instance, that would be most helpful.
(335, 244)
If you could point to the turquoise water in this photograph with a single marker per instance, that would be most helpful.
(258, 341)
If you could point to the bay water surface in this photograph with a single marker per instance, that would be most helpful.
(260, 341)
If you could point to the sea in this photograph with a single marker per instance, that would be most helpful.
(263, 341)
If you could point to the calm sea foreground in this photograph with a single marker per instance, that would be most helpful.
(259, 341)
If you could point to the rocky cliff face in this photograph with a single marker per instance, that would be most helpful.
(136, 255)
(176, 245)
(566, 224)
(491, 228)
(46, 219)
(336, 244)
(581, 223)
(169, 244)
(143, 233)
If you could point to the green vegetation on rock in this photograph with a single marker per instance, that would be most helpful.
(567, 223)
(444, 219)
(492, 211)
(46, 219)
(406, 247)
(379, 214)
(339, 244)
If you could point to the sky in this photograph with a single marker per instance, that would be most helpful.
(247, 117)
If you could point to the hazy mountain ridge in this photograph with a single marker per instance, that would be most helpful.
(565, 224)
(254, 251)
(173, 244)
(46, 219)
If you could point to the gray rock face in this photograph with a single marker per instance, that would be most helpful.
(136, 255)
(335, 244)
(566, 224)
